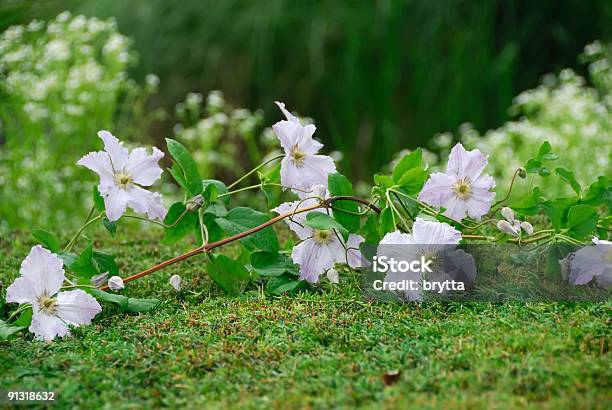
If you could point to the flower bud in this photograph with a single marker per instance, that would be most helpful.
(522, 172)
(98, 280)
(195, 203)
(115, 283)
(508, 214)
(175, 281)
(527, 227)
(506, 227)
(333, 276)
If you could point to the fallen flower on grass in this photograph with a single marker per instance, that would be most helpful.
(175, 282)
(42, 276)
(115, 283)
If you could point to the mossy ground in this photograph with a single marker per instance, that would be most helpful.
(320, 349)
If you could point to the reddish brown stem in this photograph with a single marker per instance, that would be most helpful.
(212, 245)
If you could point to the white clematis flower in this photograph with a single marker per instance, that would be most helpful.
(428, 238)
(123, 175)
(319, 250)
(592, 262)
(462, 191)
(302, 167)
(42, 276)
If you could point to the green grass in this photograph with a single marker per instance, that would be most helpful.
(319, 349)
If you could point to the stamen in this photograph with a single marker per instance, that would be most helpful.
(123, 180)
(47, 304)
(323, 236)
(297, 156)
(463, 189)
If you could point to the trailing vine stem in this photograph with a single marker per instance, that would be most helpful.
(212, 245)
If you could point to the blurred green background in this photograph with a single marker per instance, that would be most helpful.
(376, 76)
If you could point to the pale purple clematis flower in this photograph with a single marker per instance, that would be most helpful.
(428, 239)
(592, 262)
(462, 191)
(302, 167)
(42, 276)
(175, 282)
(123, 175)
(319, 250)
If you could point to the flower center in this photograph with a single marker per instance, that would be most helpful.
(322, 236)
(462, 189)
(297, 156)
(47, 304)
(123, 180)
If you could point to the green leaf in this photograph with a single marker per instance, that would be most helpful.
(569, 177)
(343, 211)
(24, 319)
(182, 228)
(410, 161)
(98, 200)
(84, 266)
(7, 330)
(322, 221)
(228, 274)
(384, 181)
(413, 180)
(212, 188)
(557, 251)
(177, 174)
(581, 220)
(241, 219)
(599, 193)
(47, 239)
(272, 264)
(189, 169)
(271, 192)
(126, 304)
(386, 222)
(545, 148)
(557, 210)
(285, 283)
(110, 226)
(370, 229)
(67, 257)
(105, 263)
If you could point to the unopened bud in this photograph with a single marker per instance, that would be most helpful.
(527, 227)
(333, 276)
(175, 281)
(195, 203)
(506, 227)
(508, 214)
(99, 280)
(115, 283)
(522, 172)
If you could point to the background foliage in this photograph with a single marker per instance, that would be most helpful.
(377, 77)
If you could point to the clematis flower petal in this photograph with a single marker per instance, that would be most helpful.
(296, 222)
(175, 282)
(116, 202)
(437, 190)
(465, 164)
(314, 259)
(76, 307)
(353, 254)
(151, 203)
(48, 327)
(115, 283)
(290, 117)
(117, 152)
(143, 167)
(41, 272)
(433, 232)
(99, 162)
(333, 276)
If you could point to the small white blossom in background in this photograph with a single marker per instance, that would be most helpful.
(123, 175)
(301, 167)
(115, 283)
(41, 278)
(592, 262)
(175, 282)
(319, 250)
(462, 190)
